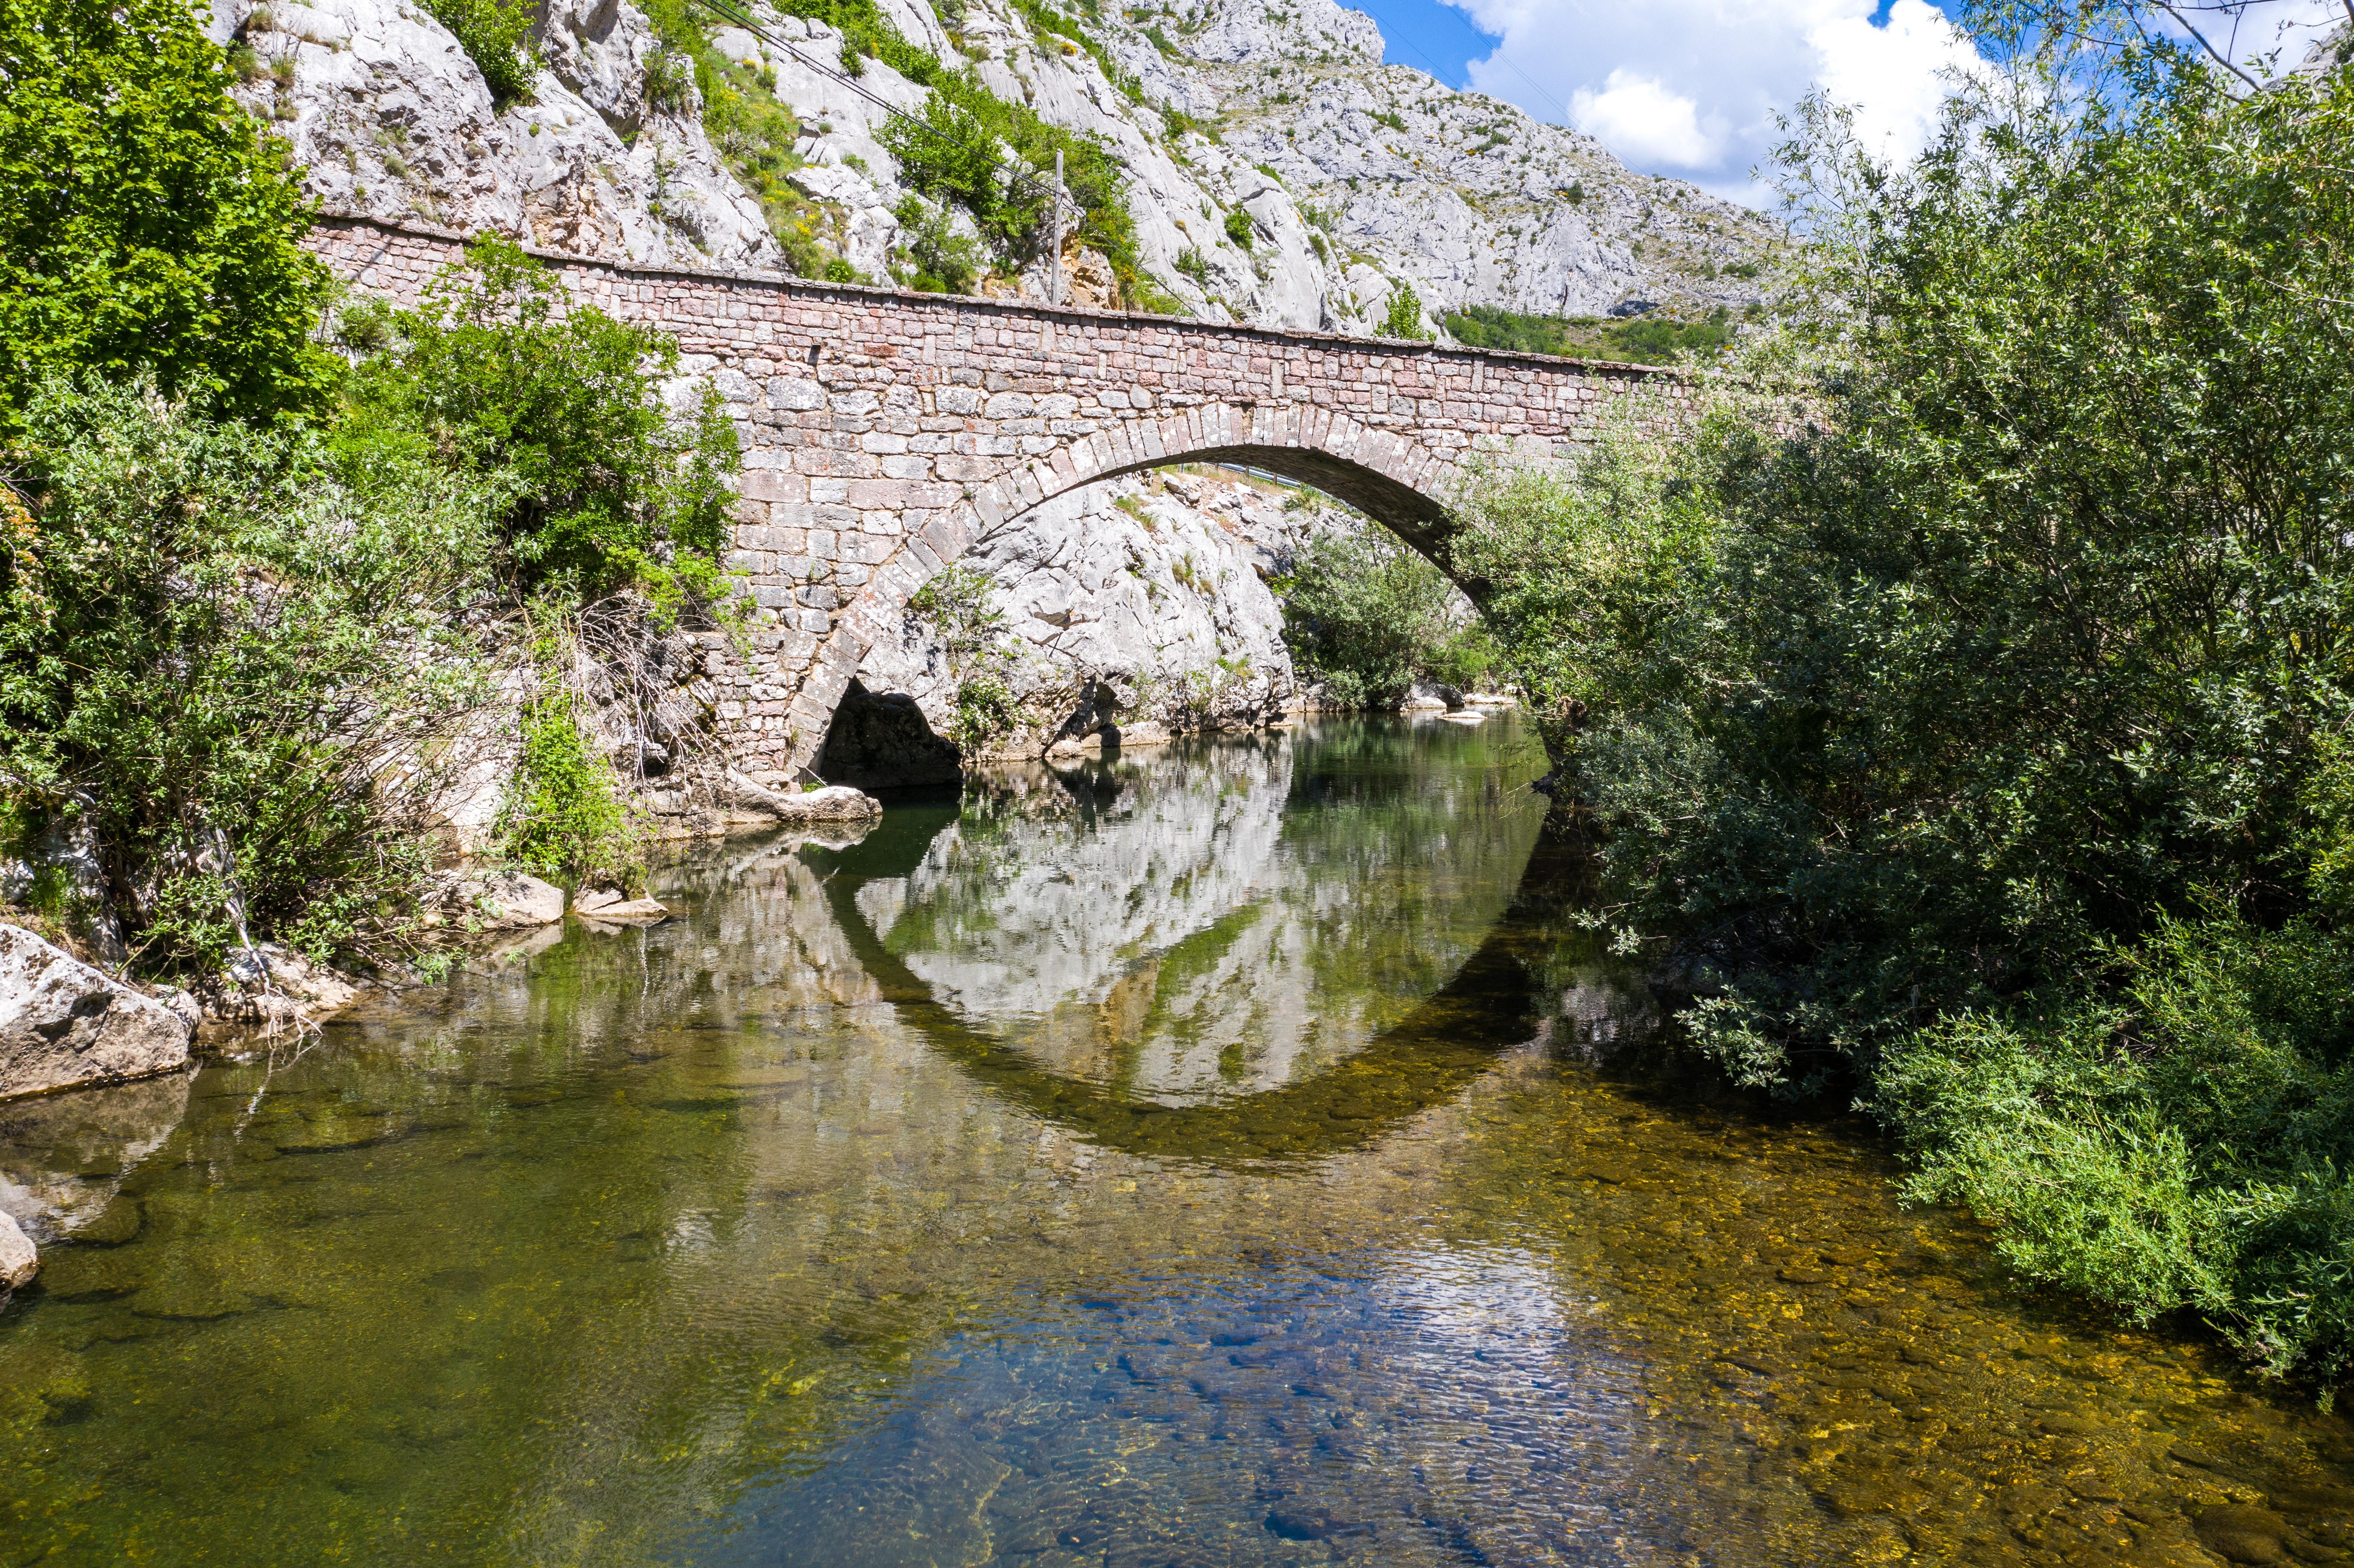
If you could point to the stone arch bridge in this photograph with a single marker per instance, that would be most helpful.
(885, 432)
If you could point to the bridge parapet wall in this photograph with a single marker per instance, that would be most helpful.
(883, 431)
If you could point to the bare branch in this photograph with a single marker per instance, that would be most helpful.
(2213, 53)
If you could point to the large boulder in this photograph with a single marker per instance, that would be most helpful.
(18, 1261)
(507, 900)
(835, 803)
(64, 1023)
(276, 987)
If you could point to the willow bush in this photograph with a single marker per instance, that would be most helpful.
(1966, 703)
(230, 660)
(1369, 616)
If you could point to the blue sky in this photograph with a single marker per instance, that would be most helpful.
(1692, 88)
(1443, 40)
(1429, 36)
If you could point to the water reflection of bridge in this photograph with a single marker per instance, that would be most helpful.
(663, 1181)
(1242, 999)
(1229, 950)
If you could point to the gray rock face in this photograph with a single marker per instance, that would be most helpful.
(18, 1261)
(511, 900)
(1353, 176)
(63, 1023)
(388, 116)
(1137, 605)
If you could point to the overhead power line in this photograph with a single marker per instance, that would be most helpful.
(1507, 61)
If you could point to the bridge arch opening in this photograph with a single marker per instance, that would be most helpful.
(1395, 483)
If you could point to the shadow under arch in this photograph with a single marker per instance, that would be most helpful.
(1493, 1003)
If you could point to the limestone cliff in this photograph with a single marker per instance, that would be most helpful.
(1136, 609)
(1277, 171)
(387, 115)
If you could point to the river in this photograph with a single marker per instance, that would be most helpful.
(1231, 1153)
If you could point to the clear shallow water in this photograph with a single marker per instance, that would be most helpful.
(1204, 1158)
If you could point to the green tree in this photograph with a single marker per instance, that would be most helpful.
(1404, 317)
(234, 668)
(1968, 732)
(496, 36)
(1369, 617)
(145, 223)
(496, 373)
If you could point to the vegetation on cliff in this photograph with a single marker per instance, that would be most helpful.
(1968, 721)
(966, 151)
(1368, 617)
(1639, 340)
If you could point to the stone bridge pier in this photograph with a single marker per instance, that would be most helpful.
(885, 433)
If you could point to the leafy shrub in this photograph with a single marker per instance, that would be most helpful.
(231, 660)
(564, 816)
(669, 81)
(1404, 317)
(2174, 1143)
(144, 225)
(495, 372)
(963, 148)
(1971, 742)
(1369, 617)
(1649, 340)
(942, 261)
(955, 608)
(496, 36)
(1239, 228)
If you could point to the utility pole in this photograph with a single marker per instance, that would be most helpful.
(1054, 278)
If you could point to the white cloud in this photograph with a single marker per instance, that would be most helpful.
(1897, 76)
(1692, 86)
(1642, 120)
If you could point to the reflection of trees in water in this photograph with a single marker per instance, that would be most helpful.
(1217, 917)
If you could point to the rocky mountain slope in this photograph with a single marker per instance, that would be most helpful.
(1142, 603)
(1276, 172)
